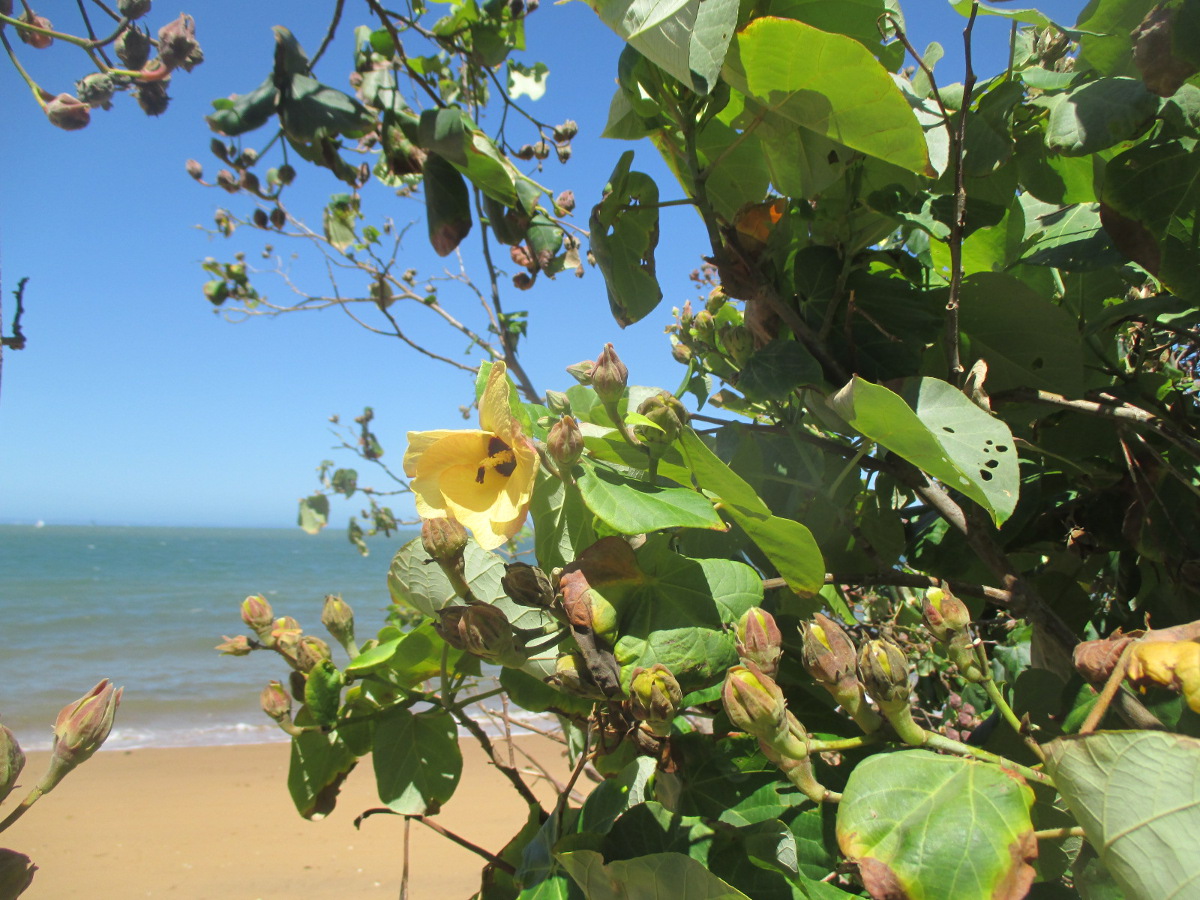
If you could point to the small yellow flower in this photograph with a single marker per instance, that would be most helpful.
(483, 478)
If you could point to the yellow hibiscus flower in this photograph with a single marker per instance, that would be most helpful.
(483, 478)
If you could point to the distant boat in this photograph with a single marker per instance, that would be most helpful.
(39, 524)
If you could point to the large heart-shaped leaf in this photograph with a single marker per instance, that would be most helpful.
(947, 436)
(789, 546)
(1137, 796)
(419, 584)
(923, 825)
(417, 760)
(629, 506)
(829, 84)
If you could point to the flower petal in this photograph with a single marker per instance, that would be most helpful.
(495, 414)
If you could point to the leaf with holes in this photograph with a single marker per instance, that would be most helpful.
(923, 825)
(1137, 796)
(947, 436)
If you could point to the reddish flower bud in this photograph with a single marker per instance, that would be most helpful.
(177, 44)
(610, 376)
(564, 202)
(759, 640)
(194, 169)
(338, 619)
(883, 669)
(234, 646)
(276, 701)
(485, 632)
(68, 113)
(945, 615)
(754, 702)
(35, 39)
(152, 97)
(310, 651)
(80, 729)
(827, 654)
(565, 442)
(257, 612)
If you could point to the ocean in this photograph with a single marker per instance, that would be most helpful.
(144, 607)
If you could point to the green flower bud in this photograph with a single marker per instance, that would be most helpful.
(827, 652)
(883, 670)
(655, 697)
(582, 371)
(443, 539)
(738, 342)
(716, 299)
(276, 702)
(285, 635)
(759, 640)
(588, 608)
(610, 376)
(754, 703)
(234, 646)
(133, 47)
(338, 619)
(527, 585)
(12, 761)
(310, 651)
(558, 403)
(945, 615)
(81, 728)
(565, 442)
(665, 411)
(96, 89)
(257, 613)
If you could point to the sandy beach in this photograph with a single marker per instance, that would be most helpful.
(217, 822)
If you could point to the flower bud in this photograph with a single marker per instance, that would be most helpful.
(68, 113)
(681, 353)
(95, 89)
(827, 652)
(276, 701)
(564, 203)
(754, 702)
(586, 607)
(133, 47)
(738, 342)
(665, 411)
(80, 729)
(704, 326)
(32, 38)
(285, 635)
(278, 217)
(338, 618)
(260, 218)
(563, 152)
(227, 181)
(566, 131)
(194, 169)
(759, 640)
(133, 9)
(287, 174)
(571, 674)
(582, 371)
(527, 585)
(234, 646)
(310, 651)
(257, 612)
(883, 669)
(177, 44)
(945, 615)
(447, 625)
(486, 633)
(565, 442)
(558, 403)
(12, 761)
(16, 873)
(610, 376)
(541, 150)
(152, 97)
(715, 300)
(443, 539)
(655, 697)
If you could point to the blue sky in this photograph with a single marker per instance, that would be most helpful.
(135, 404)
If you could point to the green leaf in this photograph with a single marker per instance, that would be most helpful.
(447, 204)
(948, 436)
(624, 234)
(338, 220)
(323, 693)
(829, 84)
(1098, 115)
(420, 585)
(789, 546)
(562, 523)
(680, 612)
(1070, 238)
(686, 38)
(244, 112)
(369, 660)
(774, 371)
(418, 656)
(919, 824)
(320, 763)
(417, 760)
(314, 513)
(641, 878)
(345, 482)
(1104, 41)
(633, 507)
(1025, 338)
(1137, 796)
(1028, 16)
(309, 109)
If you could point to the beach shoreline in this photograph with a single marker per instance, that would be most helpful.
(217, 821)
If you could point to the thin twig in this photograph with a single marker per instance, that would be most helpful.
(492, 858)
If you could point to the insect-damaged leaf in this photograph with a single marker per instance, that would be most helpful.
(624, 233)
